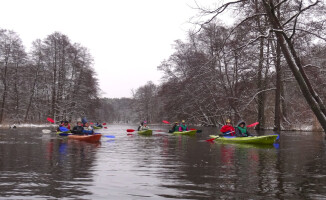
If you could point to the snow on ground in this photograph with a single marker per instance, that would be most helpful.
(27, 125)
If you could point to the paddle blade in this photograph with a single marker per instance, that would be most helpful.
(110, 136)
(63, 129)
(46, 131)
(193, 129)
(130, 130)
(104, 124)
(165, 122)
(210, 140)
(91, 123)
(50, 120)
(105, 127)
(254, 124)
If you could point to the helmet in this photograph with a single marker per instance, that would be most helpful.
(183, 121)
(228, 121)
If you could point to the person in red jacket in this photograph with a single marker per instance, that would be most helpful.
(228, 129)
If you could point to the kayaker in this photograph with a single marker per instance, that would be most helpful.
(175, 127)
(144, 127)
(66, 124)
(87, 127)
(99, 124)
(79, 129)
(139, 127)
(228, 129)
(183, 126)
(241, 130)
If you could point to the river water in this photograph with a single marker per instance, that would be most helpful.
(34, 165)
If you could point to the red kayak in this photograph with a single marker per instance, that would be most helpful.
(86, 138)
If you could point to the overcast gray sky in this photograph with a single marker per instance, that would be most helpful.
(128, 39)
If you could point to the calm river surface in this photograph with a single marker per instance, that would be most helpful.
(34, 165)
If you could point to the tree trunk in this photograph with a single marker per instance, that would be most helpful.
(32, 92)
(295, 65)
(260, 85)
(277, 118)
(5, 91)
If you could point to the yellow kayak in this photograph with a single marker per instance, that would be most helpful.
(266, 139)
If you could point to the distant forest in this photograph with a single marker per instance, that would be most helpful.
(269, 66)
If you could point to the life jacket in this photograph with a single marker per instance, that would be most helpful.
(184, 127)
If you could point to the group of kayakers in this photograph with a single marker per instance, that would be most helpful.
(179, 127)
(82, 127)
(239, 131)
(227, 130)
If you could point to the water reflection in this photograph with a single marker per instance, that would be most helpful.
(34, 165)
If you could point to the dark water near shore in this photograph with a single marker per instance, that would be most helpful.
(34, 165)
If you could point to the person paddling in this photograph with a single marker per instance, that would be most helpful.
(175, 127)
(183, 126)
(241, 130)
(144, 127)
(78, 130)
(141, 125)
(228, 129)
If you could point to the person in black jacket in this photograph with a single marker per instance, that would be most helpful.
(79, 129)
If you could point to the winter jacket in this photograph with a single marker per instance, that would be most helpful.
(228, 130)
(238, 131)
(183, 127)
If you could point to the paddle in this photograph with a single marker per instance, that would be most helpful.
(109, 136)
(46, 131)
(130, 130)
(253, 124)
(104, 124)
(210, 140)
(50, 120)
(63, 129)
(64, 134)
(165, 122)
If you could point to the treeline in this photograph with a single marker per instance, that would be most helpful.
(269, 67)
(54, 79)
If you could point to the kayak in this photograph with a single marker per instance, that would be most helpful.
(266, 139)
(97, 127)
(192, 132)
(86, 138)
(63, 132)
(145, 132)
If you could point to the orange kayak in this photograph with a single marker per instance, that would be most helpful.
(86, 138)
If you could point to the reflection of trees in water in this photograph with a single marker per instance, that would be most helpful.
(301, 166)
(203, 170)
(34, 165)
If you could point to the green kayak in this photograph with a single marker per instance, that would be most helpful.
(266, 139)
(145, 132)
(97, 127)
(192, 132)
(60, 132)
